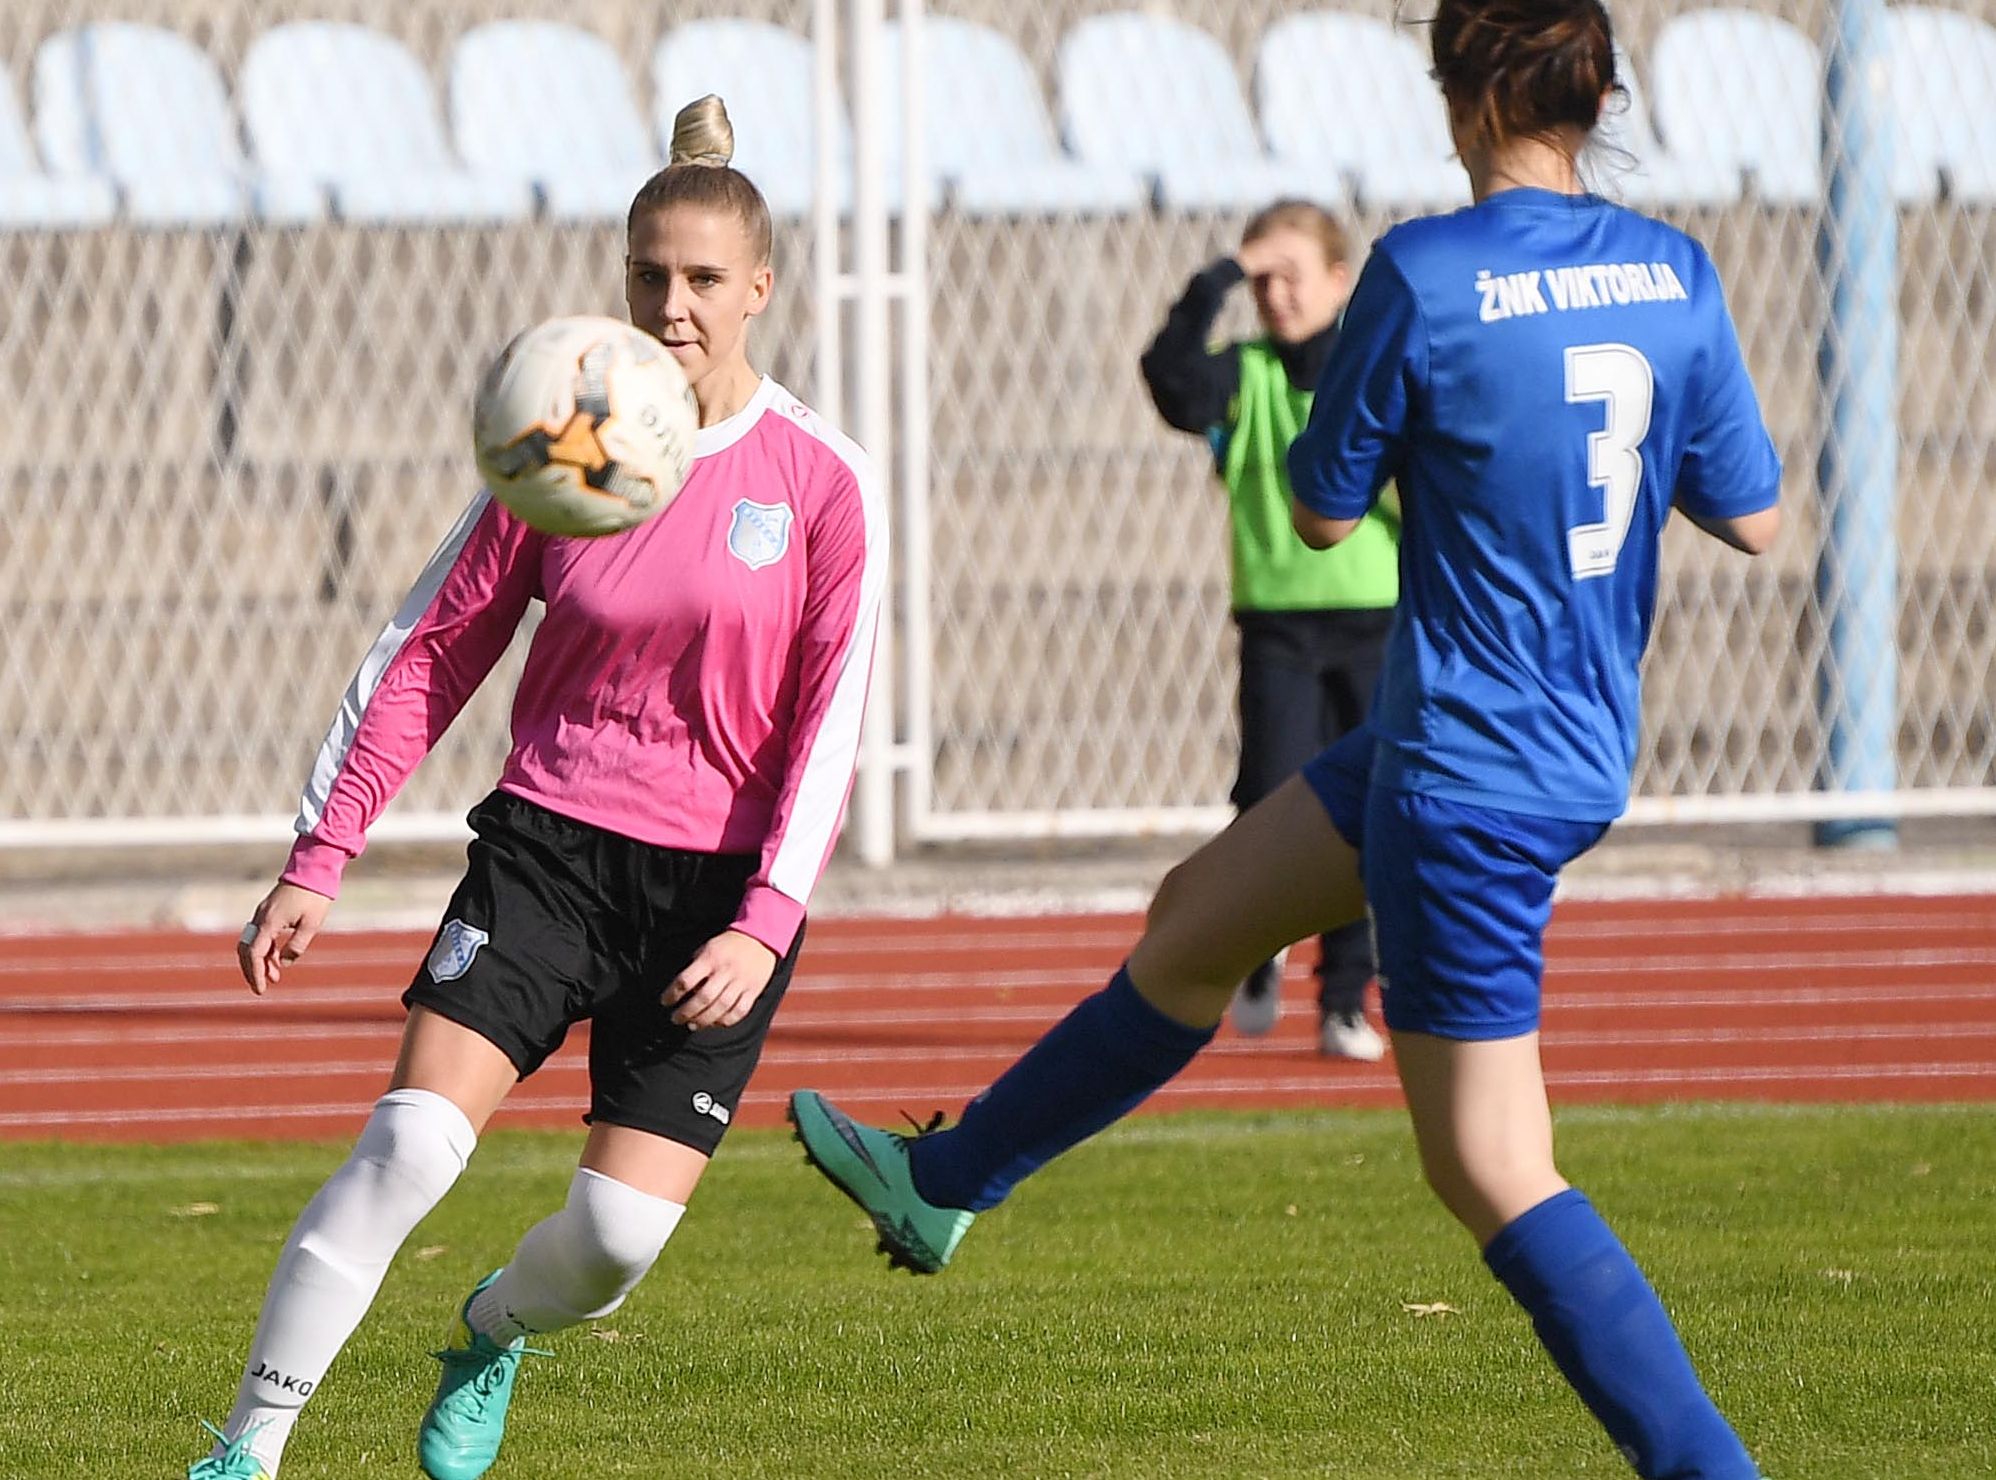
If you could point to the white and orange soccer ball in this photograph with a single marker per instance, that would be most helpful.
(584, 426)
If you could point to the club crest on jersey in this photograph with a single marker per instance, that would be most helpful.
(760, 533)
(457, 945)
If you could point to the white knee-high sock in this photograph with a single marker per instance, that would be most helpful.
(410, 1152)
(579, 1263)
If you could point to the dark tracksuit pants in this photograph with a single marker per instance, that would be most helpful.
(1306, 680)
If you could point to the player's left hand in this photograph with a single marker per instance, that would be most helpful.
(721, 983)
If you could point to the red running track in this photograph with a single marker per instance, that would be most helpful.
(153, 1037)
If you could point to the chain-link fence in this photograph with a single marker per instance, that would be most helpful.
(233, 379)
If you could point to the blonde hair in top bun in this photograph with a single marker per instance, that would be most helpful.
(701, 133)
(699, 174)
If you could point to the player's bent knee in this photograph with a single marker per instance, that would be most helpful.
(1185, 949)
(418, 1139)
(617, 1233)
(1178, 984)
(407, 1157)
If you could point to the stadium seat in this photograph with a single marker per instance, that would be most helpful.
(337, 107)
(764, 74)
(575, 136)
(31, 200)
(1943, 92)
(1634, 166)
(146, 107)
(989, 136)
(1349, 97)
(1737, 91)
(1157, 96)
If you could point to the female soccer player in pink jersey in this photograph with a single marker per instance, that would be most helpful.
(684, 739)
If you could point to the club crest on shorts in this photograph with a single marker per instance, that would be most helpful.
(457, 945)
(759, 533)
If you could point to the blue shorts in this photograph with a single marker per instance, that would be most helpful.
(1459, 896)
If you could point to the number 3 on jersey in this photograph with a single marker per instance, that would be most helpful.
(1618, 376)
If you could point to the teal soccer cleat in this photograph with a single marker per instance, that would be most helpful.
(461, 1432)
(871, 1167)
(235, 1462)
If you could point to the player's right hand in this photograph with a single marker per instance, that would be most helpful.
(278, 933)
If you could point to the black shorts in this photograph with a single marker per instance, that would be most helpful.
(556, 922)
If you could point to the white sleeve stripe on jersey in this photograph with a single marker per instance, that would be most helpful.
(834, 750)
(360, 692)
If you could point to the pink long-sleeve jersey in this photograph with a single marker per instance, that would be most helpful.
(697, 682)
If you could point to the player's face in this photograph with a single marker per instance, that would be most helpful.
(692, 278)
(1296, 292)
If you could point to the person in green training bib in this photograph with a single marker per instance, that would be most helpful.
(1312, 623)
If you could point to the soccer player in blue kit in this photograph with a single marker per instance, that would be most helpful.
(1545, 375)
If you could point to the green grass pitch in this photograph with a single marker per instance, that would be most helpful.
(1188, 1296)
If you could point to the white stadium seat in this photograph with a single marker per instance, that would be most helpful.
(1738, 91)
(576, 135)
(1943, 104)
(1636, 166)
(32, 200)
(764, 74)
(146, 107)
(339, 107)
(990, 138)
(1160, 97)
(1347, 96)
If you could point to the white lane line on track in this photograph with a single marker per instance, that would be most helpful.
(1257, 1088)
(1560, 1002)
(1976, 1075)
(405, 961)
(797, 1016)
(240, 1117)
(1559, 970)
(1780, 958)
(225, 1074)
(348, 990)
(378, 1032)
(1782, 946)
(780, 1055)
(221, 963)
(404, 956)
(1982, 1072)
(1564, 1038)
(1975, 918)
(777, 1058)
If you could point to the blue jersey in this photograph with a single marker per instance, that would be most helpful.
(1544, 375)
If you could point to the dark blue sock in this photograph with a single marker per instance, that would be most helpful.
(1604, 1326)
(1092, 1068)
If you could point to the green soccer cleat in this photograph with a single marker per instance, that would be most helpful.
(461, 1432)
(235, 1462)
(871, 1167)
